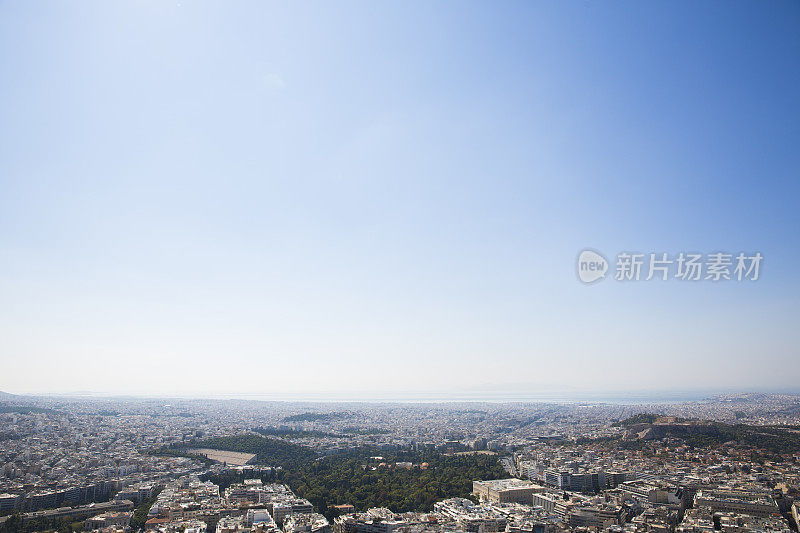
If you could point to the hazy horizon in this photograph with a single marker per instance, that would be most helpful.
(604, 397)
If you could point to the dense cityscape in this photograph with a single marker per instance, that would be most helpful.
(727, 463)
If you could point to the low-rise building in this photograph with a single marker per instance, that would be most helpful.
(506, 490)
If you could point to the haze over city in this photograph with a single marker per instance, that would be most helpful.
(399, 267)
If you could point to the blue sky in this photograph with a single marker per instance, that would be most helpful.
(387, 199)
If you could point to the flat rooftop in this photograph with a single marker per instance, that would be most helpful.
(507, 484)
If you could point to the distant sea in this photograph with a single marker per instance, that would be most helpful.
(550, 396)
(580, 398)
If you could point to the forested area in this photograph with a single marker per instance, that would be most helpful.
(356, 477)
